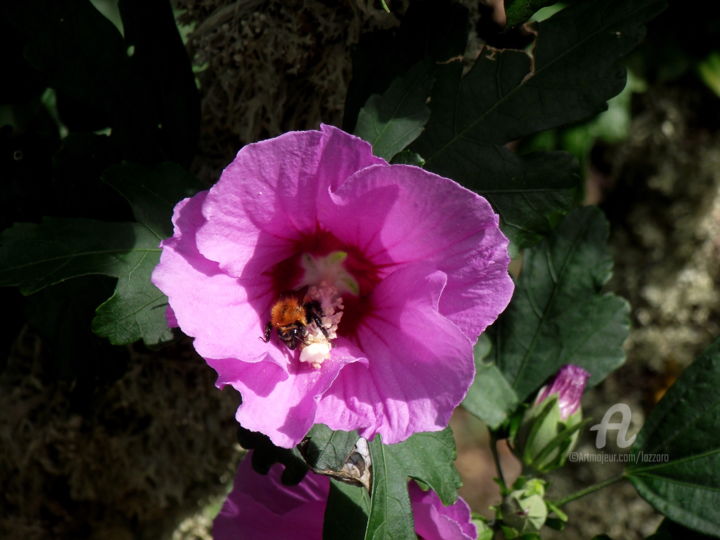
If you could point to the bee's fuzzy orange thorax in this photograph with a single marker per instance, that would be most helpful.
(287, 311)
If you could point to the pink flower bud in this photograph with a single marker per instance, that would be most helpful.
(569, 385)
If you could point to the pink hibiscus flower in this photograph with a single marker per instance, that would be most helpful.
(261, 507)
(328, 286)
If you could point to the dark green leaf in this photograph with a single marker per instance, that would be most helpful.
(390, 513)
(531, 192)
(426, 457)
(392, 121)
(684, 426)
(408, 157)
(35, 256)
(327, 449)
(558, 314)
(136, 310)
(490, 398)
(434, 29)
(573, 69)
(152, 191)
(346, 513)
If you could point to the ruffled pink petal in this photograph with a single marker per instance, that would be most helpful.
(267, 199)
(280, 402)
(213, 307)
(400, 214)
(261, 507)
(419, 364)
(435, 521)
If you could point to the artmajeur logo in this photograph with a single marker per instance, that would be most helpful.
(621, 427)
(609, 424)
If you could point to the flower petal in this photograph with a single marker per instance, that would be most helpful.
(400, 214)
(261, 507)
(435, 521)
(419, 365)
(207, 303)
(279, 402)
(267, 198)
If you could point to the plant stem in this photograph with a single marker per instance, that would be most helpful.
(496, 459)
(590, 489)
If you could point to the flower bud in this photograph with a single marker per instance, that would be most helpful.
(550, 427)
(524, 508)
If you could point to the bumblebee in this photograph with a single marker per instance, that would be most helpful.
(290, 316)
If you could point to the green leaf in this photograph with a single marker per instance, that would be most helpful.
(136, 310)
(573, 69)
(152, 191)
(432, 29)
(408, 157)
(346, 513)
(490, 398)
(684, 426)
(709, 71)
(426, 457)
(392, 121)
(531, 193)
(559, 314)
(519, 11)
(390, 512)
(326, 449)
(35, 256)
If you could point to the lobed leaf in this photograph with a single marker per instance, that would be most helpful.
(35, 256)
(136, 310)
(559, 314)
(571, 71)
(425, 457)
(684, 426)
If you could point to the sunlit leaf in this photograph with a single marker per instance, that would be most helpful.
(393, 120)
(427, 457)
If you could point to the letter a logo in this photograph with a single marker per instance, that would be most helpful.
(622, 427)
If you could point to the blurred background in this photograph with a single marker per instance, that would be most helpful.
(135, 442)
